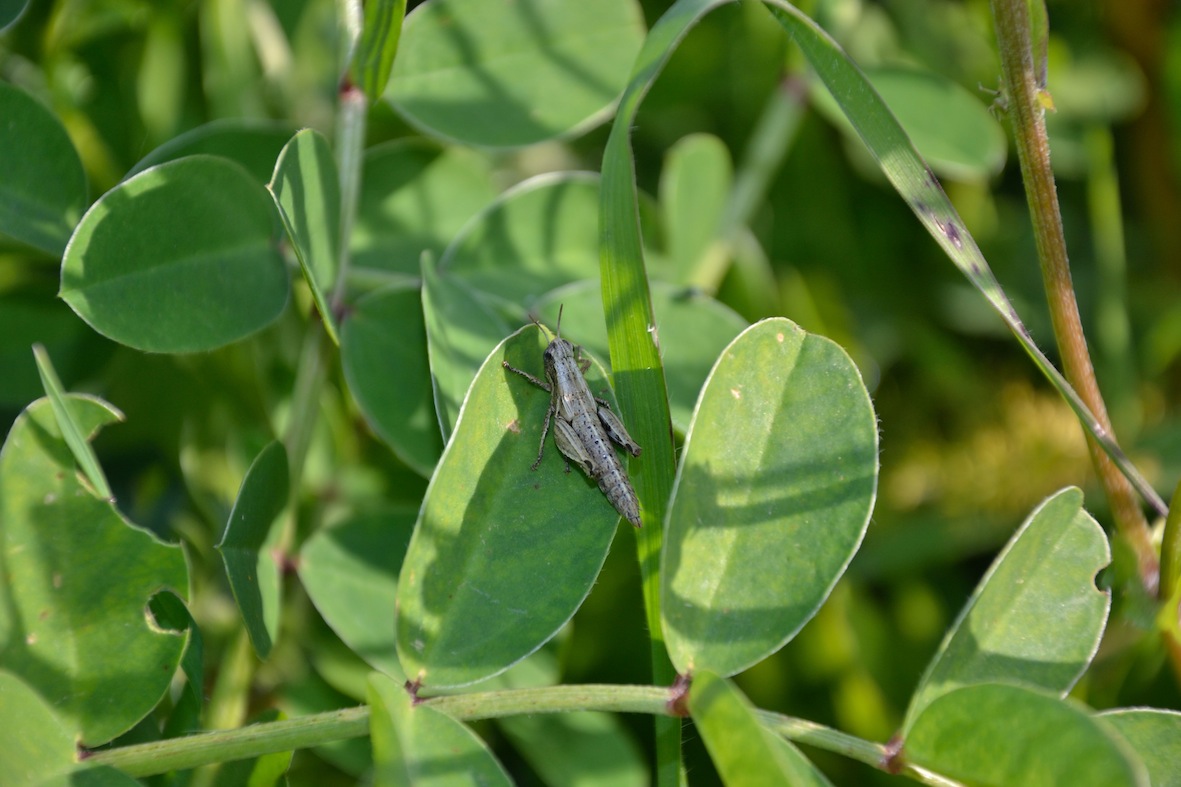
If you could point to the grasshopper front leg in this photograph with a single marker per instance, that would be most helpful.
(549, 411)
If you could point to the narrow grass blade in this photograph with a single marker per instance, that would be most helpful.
(81, 449)
(915, 183)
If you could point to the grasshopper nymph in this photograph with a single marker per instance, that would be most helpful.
(584, 425)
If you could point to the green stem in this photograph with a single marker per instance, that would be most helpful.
(1011, 18)
(146, 759)
(828, 739)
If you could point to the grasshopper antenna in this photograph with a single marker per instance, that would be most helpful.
(558, 329)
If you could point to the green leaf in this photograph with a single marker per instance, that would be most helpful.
(415, 197)
(743, 751)
(460, 332)
(776, 484)
(37, 746)
(949, 126)
(694, 190)
(383, 351)
(252, 570)
(350, 571)
(501, 556)
(693, 330)
(374, 58)
(178, 259)
(1036, 618)
(507, 75)
(73, 619)
(255, 144)
(71, 433)
(422, 747)
(539, 235)
(1156, 736)
(306, 190)
(993, 734)
(43, 191)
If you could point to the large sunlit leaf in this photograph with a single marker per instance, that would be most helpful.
(384, 354)
(501, 556)
(350, 571)
(995, 735)
(1036, 617)
(75, 582)
(180, 258)
(511, 74)
(743, 751)
(776, 483)
(251, 569)
(43, 190)
(306, 189)
(419, 746)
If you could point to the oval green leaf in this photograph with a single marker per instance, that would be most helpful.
(252, 569)
(1036, 617)
(694, 192)
(508, 75)
(1155, 734)
(415, 197)
(43, 191)
(743, 750)
(383, 351)
(501, 556)
(417, 746)
(995, 735)
(73, 608)
(178, 259)
(350, 571)
(772, 497)
(306, 190)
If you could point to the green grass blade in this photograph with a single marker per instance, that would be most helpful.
(81, 449)
(635, 357)
(915, 183)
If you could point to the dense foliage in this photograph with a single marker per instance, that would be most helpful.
(265, 473)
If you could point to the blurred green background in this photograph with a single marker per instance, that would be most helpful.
(972, 438)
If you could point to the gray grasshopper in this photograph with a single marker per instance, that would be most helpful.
(584, 425)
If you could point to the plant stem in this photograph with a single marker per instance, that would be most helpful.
(255, 740)
(1011, 18)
